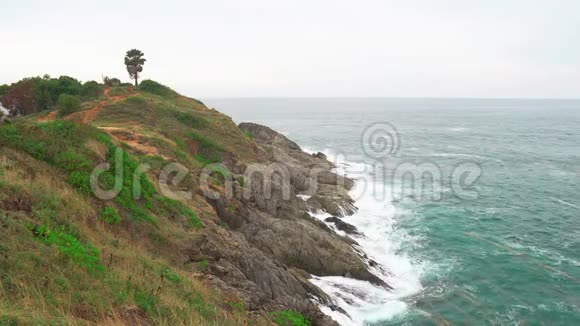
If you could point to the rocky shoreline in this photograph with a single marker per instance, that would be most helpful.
(272, 244)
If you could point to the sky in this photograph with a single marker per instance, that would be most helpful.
(298, 48)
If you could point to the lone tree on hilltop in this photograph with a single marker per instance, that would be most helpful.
(134, 61)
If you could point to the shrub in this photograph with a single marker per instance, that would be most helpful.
(153, 87)
(290, 318)
(68, 104)
(110, 215)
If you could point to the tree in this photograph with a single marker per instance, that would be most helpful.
(134, 61)
(19, 98)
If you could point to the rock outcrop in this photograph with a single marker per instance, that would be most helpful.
(273, 244)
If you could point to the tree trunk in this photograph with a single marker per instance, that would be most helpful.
(136, 83)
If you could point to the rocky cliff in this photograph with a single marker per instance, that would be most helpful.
(274, 243)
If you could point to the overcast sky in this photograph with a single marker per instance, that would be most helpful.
(253, 48)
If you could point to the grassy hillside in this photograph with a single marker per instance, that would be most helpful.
(67, 257)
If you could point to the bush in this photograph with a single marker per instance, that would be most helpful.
(153, 87)
(68, 104)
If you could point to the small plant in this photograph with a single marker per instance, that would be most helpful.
(289, 318)
(110, 215)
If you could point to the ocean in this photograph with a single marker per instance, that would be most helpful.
(470, 207)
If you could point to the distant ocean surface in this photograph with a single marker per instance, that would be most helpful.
(509, 256)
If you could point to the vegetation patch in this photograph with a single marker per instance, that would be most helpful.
(289, 318)
(190, 120)
(119, 160)
(168, 206)
(202, 265)
(110, 215)
(208, 151)
(85, 255)
(68, 104)
(156, 88)
(36, 94)
(120, 91)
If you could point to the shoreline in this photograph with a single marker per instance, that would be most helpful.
(388, 303)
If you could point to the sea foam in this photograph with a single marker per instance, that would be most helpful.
(381, 242)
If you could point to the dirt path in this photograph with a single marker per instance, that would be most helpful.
(89, 115)
(49, 117)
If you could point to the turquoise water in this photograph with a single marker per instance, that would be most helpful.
(509, 257)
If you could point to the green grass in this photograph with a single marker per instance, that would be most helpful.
(169, 275)
(289, 318)
(110, 215)
(85, 255)
(136, 208)
(171, 207)
(120, 91)
(189, 119)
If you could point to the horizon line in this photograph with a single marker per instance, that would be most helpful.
(394, 97)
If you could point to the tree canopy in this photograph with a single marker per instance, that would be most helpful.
(134, 61)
